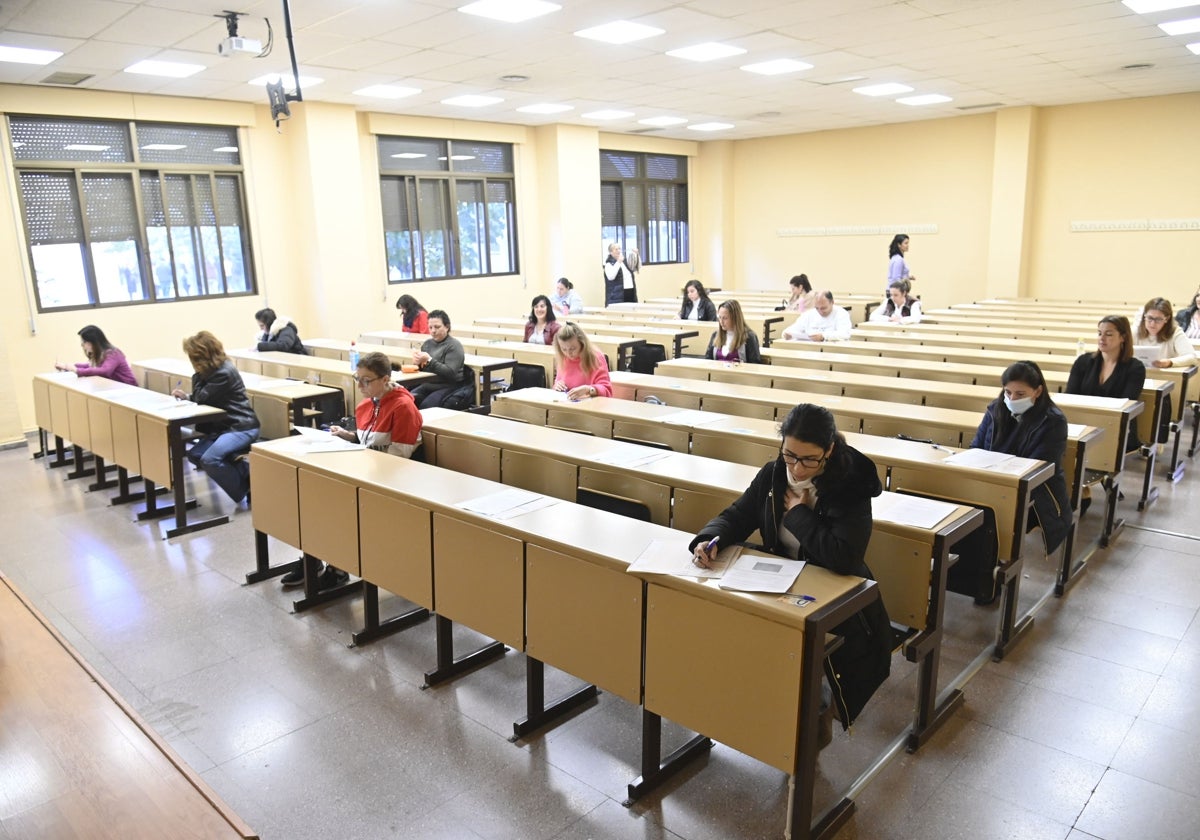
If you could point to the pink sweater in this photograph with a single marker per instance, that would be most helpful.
(570, 373)
(113, 366)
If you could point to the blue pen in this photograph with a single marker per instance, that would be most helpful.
(711, 544)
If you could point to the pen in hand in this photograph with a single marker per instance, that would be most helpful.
(705, 556)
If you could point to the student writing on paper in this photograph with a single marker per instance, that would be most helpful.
(900, 307)
(579, 370)
(102, 358)
(822, 322)
(1111, 371)
(1025, 422)
(1157, 329)
(813, 503)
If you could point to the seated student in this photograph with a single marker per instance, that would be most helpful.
(1024, 421)
(414, 318)
(900, 307)
(1112, 370)
(542, 325)
(1188, 318)
(442, 355)
(102, 358)
(580, 370)
(813, 503)
(802, 294)
(278, 333)
(696, 305)
(822, 322)
(218, 383)
(386, 420)
(566, 300)
(733, 341)
(1157, 328)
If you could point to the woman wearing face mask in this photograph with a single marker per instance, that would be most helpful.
(1025, 422)
(813, 503)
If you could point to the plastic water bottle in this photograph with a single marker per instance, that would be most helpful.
(353, 357)
(1081, 346)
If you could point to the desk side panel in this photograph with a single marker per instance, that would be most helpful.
(41, 403)
(77, 412)
(714, 669)
(963, 490)
(126, 452)
(641, 431)
(586, 620)
(901, 567)
(60, 416)
(734, 449)
(329, 520)
(100, 425)
(154, 450)
(578, 421)
(396, 546)
(276, 509)
(479, 579)
(517, 410)
(893, 427)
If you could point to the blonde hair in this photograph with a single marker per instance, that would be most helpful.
(720, 339)
(587, 356)
(205, 351)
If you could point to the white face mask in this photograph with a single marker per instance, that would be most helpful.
(797, 486)
(1018, 407)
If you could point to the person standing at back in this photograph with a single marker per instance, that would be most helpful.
(619, 286)
(897, 266)
(277, 333)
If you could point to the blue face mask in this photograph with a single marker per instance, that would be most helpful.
(1018, 407)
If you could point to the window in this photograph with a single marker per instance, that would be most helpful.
(643, 202)
(449, 208)
(130, 212)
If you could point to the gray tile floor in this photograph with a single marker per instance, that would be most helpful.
(1089, 729)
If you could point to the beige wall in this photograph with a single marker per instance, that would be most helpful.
(1001, 188)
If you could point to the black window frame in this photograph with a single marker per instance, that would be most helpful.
(644, 198)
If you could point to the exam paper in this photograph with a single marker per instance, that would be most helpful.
(692, 417)
(666, 557)
(756, 573)
(512, 502)
(314, 440)
(632, 456)
(1147, 354)
(983, 459)
(910, 510)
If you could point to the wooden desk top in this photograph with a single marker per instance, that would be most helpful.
(256, 383)
(318, 364)
(149, 403)
(397, 354)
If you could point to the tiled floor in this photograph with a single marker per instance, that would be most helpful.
(1089, 729)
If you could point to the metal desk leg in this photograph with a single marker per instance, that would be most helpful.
(373, 628)
(102, 482)
(79, 459)
(263, 570)
(537, 713)
(312, 595)
(655, 769)
(447, 666)
(182, 504)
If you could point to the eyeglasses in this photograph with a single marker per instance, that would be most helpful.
(364, 381)
(809, 462)
(1153, 319)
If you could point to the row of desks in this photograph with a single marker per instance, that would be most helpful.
(542, 583)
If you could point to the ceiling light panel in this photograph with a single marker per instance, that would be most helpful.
(663, 122)
(26, 55)
(777, 67)
(619, 32)
(709, 51)
(509, 11)
(924, 99)
(169, 69)
(1147, 7)
(710, 126)
(884, 89)
(1181, 27)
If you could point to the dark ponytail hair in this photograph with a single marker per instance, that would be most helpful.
(94, 336)
(897, 240)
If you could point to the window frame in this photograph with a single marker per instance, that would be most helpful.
(136, 170)
(641, 218)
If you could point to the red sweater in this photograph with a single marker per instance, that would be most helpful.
(394, 425)
(420, 324)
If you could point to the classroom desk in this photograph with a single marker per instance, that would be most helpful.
(900, 555)
(527, 582)
(139, 431)
(1014, 330)
(521, 352)
(618, 348)
(765, 322)
(514, 330)
(484, 368)
(908, 466)
(278, 403)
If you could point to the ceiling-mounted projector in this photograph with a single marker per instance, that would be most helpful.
(233, 45)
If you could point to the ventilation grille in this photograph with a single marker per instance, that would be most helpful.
(62, 78)
(984, 105)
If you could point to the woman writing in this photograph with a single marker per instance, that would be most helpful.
(542, 325)
(802, 294)
(1111, 371)
(696, 304)
(1189, 317)
(1157, 329)
(565, 299)
(102, 358)
(813, 503)
(900, 307)
(897, 267)
(413, 315)
(580, 371)
(733, 341)
(1025, 422)
(278, 333)
(217, 382)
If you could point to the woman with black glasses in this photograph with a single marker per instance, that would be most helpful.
(813, 503)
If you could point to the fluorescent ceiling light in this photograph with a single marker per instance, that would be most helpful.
(86, 147)
(1181, 27)
(225, 149)
(663, 121)
(387, 91)
(1146, 7)
(462, 157)
(170, 69)
(620, 32)
(545, 108)
(608, 115)
(776, 67)
(162, 147)
(923, 99)
(287, 79)
(885, 89)
(409, 155)
(26, 55)
(706, 52)
(710, 126)
(472, 100)
(1194, 47)
(509, 11)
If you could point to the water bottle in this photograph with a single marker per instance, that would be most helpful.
(1081, 346)
(353, 357)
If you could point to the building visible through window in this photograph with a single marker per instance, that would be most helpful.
(643, 203)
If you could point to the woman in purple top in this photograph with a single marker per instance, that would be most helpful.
(733, 341)
(897, 267)
(103, 359)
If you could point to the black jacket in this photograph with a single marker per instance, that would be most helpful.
(223, 388)
(834, 535)
(1041, 433)
(283, 336)
(708, 312)
(748, 352)
(1184, 317)
(1126, 382)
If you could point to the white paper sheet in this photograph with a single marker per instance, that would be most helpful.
(632, 456)
(1147, 353)
(311, 443)
(983, 459)
(664, 557)
(692, 417)
(755, 573)
(910, 510)
(494, 504)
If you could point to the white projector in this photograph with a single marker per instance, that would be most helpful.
(233, 45)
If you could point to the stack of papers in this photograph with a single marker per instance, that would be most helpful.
(315, 440)
(983, 459)
(910, 510)
(692, 417)
(632, 456)
(733, 569)
(507, 504)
